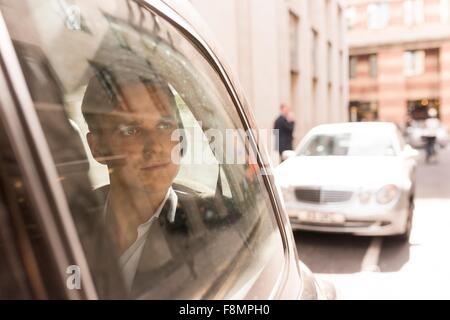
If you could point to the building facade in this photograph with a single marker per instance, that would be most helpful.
(399, 59)
(291, 51)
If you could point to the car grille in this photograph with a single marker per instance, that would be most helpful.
(322, 196)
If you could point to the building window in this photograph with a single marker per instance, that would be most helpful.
(373, 65)
(444, 11)
(330, 62)
(418, 109)
(414, 62)
(351, 17)
(329, 17)
(312, 9)
(378, 15)
(295, 80)
(353, 67)
(413, 12)
(341, 68)
(294, 44)
(315, 98)
(363, 111)
(314, 52)
(331, 104)
(341, 26)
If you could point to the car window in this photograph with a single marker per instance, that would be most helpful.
(349, 144)
(128, 105)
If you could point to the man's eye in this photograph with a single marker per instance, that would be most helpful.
(130, 130)
(165, 125)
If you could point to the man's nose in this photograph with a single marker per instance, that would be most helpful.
(151, 146)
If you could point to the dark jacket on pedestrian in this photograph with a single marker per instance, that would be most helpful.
(286, 129)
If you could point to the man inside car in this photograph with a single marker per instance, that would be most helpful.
(131, 114)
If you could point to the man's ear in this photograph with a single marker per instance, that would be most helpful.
(96, 150)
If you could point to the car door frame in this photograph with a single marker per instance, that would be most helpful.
(39, 174)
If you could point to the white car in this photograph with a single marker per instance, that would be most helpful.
(353, 178)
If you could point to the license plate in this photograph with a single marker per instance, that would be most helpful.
(321, 217)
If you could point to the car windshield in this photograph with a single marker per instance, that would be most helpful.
(349, 144)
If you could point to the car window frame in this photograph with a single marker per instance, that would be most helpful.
(24, 285)
(43, 171)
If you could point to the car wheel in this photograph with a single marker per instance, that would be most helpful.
(405, 236)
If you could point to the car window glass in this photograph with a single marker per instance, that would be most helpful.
(349, 144)
(125, 102)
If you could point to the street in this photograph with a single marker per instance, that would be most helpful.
(386, 268)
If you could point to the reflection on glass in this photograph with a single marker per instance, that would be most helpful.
(349, 144)
(109, 101)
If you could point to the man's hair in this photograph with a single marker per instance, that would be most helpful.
(114, 67)
(103, 95)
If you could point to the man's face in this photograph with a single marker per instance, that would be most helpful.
(136, 136)
(285, 110)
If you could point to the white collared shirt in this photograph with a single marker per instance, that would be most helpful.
(129, 260)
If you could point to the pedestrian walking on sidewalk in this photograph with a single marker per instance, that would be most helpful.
(285, 125)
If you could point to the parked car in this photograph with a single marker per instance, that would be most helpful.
(417, 130)
(93, 205)
(356, 178)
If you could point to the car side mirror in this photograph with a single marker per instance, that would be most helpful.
(288, 154)
(410, 153)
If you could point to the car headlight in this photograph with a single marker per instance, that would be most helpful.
(387, 194)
